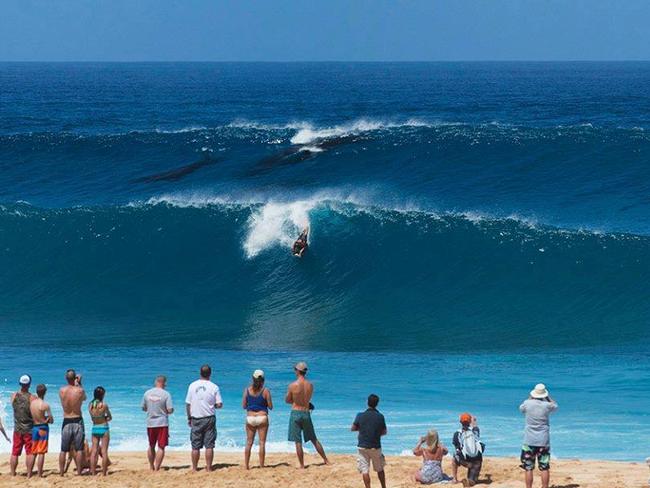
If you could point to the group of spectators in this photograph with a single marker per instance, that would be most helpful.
(33, 417)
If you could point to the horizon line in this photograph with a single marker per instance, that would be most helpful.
(324, 61)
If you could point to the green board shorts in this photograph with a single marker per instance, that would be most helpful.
(301, 426)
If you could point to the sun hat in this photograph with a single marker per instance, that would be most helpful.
(258, 373)
(301, 366)
(25, 379)
(539, 391)
(465, 418)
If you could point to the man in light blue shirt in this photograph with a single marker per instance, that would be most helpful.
(537, 438)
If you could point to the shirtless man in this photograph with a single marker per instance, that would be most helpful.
(42, 416)
(72, 396)
(299, 396)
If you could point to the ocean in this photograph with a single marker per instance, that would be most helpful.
(475, 228)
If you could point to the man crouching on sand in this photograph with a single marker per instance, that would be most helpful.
(299, 396)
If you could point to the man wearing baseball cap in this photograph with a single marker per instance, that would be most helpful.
(537, 438)
(23, 423)
(469, 450)
(299, 396)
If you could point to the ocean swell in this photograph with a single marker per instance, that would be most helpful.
(374, 279)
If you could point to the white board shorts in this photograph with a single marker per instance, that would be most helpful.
(368, 456)
(257, 420)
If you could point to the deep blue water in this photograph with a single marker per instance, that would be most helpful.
(490, 218)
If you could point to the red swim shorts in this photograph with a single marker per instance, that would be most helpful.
(21, 440)
(158, 435)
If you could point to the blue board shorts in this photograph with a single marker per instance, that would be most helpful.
(301, 426)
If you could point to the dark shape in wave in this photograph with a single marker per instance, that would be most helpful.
(177, 173)
(298, 153)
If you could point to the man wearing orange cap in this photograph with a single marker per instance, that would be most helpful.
(469, 450)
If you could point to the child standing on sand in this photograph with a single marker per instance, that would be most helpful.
(101, 416)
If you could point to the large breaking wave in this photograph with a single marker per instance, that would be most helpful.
(174, 270)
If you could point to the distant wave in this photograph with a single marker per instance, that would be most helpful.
(305, 131)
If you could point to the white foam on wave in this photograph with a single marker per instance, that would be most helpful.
(247, 124)
(276, 223)
(311, 149)
(309, 133)
(182, 130)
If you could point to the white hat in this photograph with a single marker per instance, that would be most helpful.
(25, 379)
(258, 373)
(301, 366)
(540, 391)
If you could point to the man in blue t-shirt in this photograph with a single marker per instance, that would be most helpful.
(371, 426)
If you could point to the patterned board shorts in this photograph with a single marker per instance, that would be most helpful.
(203, 432)
(531, 453)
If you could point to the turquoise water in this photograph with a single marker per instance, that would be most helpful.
(599, 393)
(476, 228)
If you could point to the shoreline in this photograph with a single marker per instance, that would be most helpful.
(131, 469)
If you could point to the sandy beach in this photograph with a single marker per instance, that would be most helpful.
(131, 470)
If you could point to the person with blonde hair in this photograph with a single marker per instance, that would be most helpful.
(257, 402)
(432, 452)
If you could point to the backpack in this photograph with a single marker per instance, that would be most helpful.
(470, 445)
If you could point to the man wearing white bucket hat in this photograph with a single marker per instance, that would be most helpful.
(537, 440)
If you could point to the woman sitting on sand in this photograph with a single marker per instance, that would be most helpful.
(432, 452)
(257, 403)
(101, 416)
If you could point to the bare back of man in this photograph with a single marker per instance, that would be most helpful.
(301, 392)
(72, 398)
(40, 411)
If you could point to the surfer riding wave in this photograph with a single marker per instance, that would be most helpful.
(301, 245)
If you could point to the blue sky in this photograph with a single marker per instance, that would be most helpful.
(313, 30)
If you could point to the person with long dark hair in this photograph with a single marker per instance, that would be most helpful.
(101, 416)
(257, 402)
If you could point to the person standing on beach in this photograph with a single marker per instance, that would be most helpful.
(157, 402)
(101, 435)
(371, 426)
(203, 397)
(72, 397)
(23, 423)
(537, 436)
(299, 396)
(257, 402)
(42, 417)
